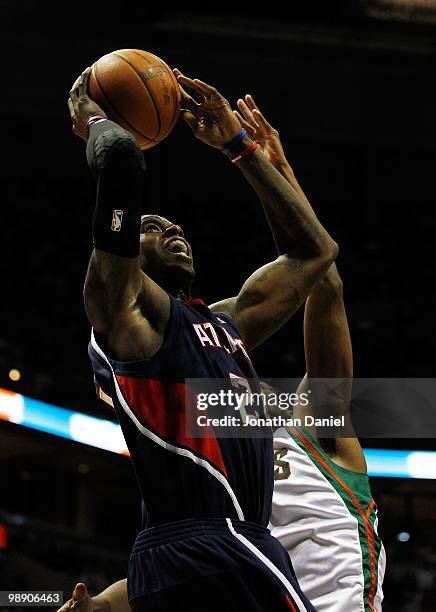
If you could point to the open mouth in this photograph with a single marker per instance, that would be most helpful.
(177, 246)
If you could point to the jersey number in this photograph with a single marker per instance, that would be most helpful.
(282, 469)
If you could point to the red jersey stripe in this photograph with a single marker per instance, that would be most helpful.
(162, 407)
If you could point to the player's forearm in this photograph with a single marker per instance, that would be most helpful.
(326, 332)
(285, 169)
(112, 599)
(118, 166)
(328, 292)
(294, 225)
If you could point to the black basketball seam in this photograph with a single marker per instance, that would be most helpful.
(173, 118)
(148, 61)
(113, 107)
(155, 104)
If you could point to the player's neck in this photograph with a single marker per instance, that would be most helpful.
(183, 296)
(178, 283)
(181, 292)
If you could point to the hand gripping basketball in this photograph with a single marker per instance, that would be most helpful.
(207, 112)
(81, 106)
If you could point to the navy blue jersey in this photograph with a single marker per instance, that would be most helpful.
(182, 477)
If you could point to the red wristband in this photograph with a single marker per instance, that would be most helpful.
(91, 120)
(245, 153)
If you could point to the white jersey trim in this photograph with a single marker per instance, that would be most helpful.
(170, 447)
(381, 567)
(270, 566)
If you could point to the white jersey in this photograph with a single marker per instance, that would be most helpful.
(325, 517)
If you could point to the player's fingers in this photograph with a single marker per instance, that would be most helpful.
(83, 82)
(187, 84)
(250, 129)
(246, 112)
(187, 101)
(74, 91)
(80, 591)
(260, 120)
(189, 118)
(250, 102)
(198, 89)
(72, 110)
(190, 104)
(206, 89)
(66, 607)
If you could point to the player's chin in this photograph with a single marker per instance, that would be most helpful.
(181, 261)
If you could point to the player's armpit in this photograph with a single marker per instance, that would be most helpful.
(273, 293)
(125, 306)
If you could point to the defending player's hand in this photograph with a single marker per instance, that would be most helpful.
(80, 601)
(81, 106)
(260, 130)
(207, 112)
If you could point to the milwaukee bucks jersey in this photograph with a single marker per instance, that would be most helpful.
(325, 517)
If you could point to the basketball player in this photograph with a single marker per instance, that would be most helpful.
(323, 511)
(207, 501)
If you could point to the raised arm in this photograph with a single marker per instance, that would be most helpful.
(273, 293)
(122, 303)
(327, 339)
(327, 342)
(328, 351)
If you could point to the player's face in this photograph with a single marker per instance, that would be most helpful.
(164, 247)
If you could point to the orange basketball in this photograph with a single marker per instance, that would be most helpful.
(138, 91)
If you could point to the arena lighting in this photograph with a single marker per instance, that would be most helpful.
(68, 424)
(105, 434)
(14, 374)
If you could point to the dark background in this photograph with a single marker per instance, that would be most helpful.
(352, 93)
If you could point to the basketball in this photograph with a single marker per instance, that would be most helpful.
(137, 90)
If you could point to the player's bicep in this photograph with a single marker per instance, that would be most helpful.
(271, 296)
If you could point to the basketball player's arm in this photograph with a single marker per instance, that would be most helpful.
(328, 352)
(268, 141)
(122, 303)
(273, 293)
(326, 333)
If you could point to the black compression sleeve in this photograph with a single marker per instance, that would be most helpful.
(118, 165)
